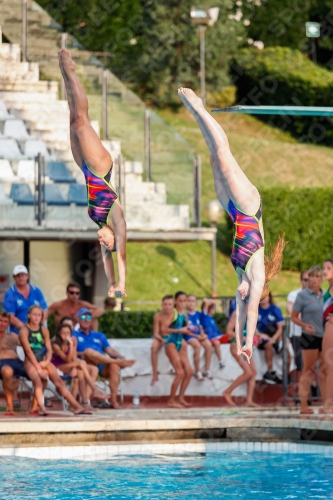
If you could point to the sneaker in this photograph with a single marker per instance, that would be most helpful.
(270, 377)
(222, 365)
(208, 374)
(199, 376)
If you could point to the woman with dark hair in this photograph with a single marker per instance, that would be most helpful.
(65, 359)
(242, 201)
(328, 335)
(96, 164)
(308, 313)
(35, 340)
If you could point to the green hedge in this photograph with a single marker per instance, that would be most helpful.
(282, 76)
(131, 324)
(305, 215)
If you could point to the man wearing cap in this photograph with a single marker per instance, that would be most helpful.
(95, 349)
(20, 297)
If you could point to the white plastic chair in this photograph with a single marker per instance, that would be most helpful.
(32, 147)
(15, 129)
(26, 170)
(4, 115)
(9, 149)
(6, 172)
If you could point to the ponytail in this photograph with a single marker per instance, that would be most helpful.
(273, 264)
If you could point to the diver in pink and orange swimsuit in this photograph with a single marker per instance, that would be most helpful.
(94, 160)
(241, 200)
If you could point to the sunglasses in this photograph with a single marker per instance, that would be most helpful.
(86, 316)
(305, 279)
(73, 293)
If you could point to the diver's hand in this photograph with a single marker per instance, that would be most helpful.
(118, 290)
(246, 350)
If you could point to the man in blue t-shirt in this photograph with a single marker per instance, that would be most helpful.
(20, 297)
(94, 347)
(269, 326)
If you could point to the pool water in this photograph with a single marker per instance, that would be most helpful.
(254, 475)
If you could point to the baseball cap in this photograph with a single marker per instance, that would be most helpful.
(20, 269)
(84, 310)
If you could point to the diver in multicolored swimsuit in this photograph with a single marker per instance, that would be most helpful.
(241, 199)
(96, 163)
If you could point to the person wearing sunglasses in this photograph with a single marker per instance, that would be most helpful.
(94, 348)
(295, 331)
(72, 305)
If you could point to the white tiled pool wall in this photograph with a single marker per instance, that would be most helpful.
(109, 451)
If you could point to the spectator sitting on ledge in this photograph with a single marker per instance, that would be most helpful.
(95, 349)
(211, 329)
(72, 305)
(110, 303)
(11, 367)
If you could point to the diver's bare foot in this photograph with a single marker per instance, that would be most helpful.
(98, 394)
(229, 399)
(183, 402)
(65, 60)
(125, 363)
(87, 406)
(115, 405)
(190, 99)
(154, 380)
(252, 404)
(172, 403)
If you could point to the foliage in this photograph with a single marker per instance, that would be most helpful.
(282, 22)
(304, 215)
(282, 76)
(154, 46)
(133, 324)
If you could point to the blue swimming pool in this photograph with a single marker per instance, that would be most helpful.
(254, 475)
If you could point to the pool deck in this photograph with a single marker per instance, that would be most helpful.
(128, 425)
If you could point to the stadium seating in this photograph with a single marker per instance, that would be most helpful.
(9, 150)
(32, 147)
(4, 200)
(21, 194)
(6, 172)
(26, 170)
(15, 129)
(57, 172)
(4, 115)
(78, 194)
(54, 195)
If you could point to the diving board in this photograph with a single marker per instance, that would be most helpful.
(277, 110)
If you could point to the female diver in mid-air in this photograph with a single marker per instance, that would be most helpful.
(96, 164)
(243, 203)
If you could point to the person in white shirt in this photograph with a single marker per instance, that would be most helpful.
(295, 331)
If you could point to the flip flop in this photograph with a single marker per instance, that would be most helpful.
(9, 413)
(83, 412)
(33, 412)
(43, 414)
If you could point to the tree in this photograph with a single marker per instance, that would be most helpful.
(153, 43)
(282, 22)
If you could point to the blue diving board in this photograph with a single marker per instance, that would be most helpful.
(277, 110)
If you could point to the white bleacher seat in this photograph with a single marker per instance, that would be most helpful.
(4, 115)
(15, 129)
(26, 170)
(6, 172)
(9, 150)
(4, 200)
(32, 147)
